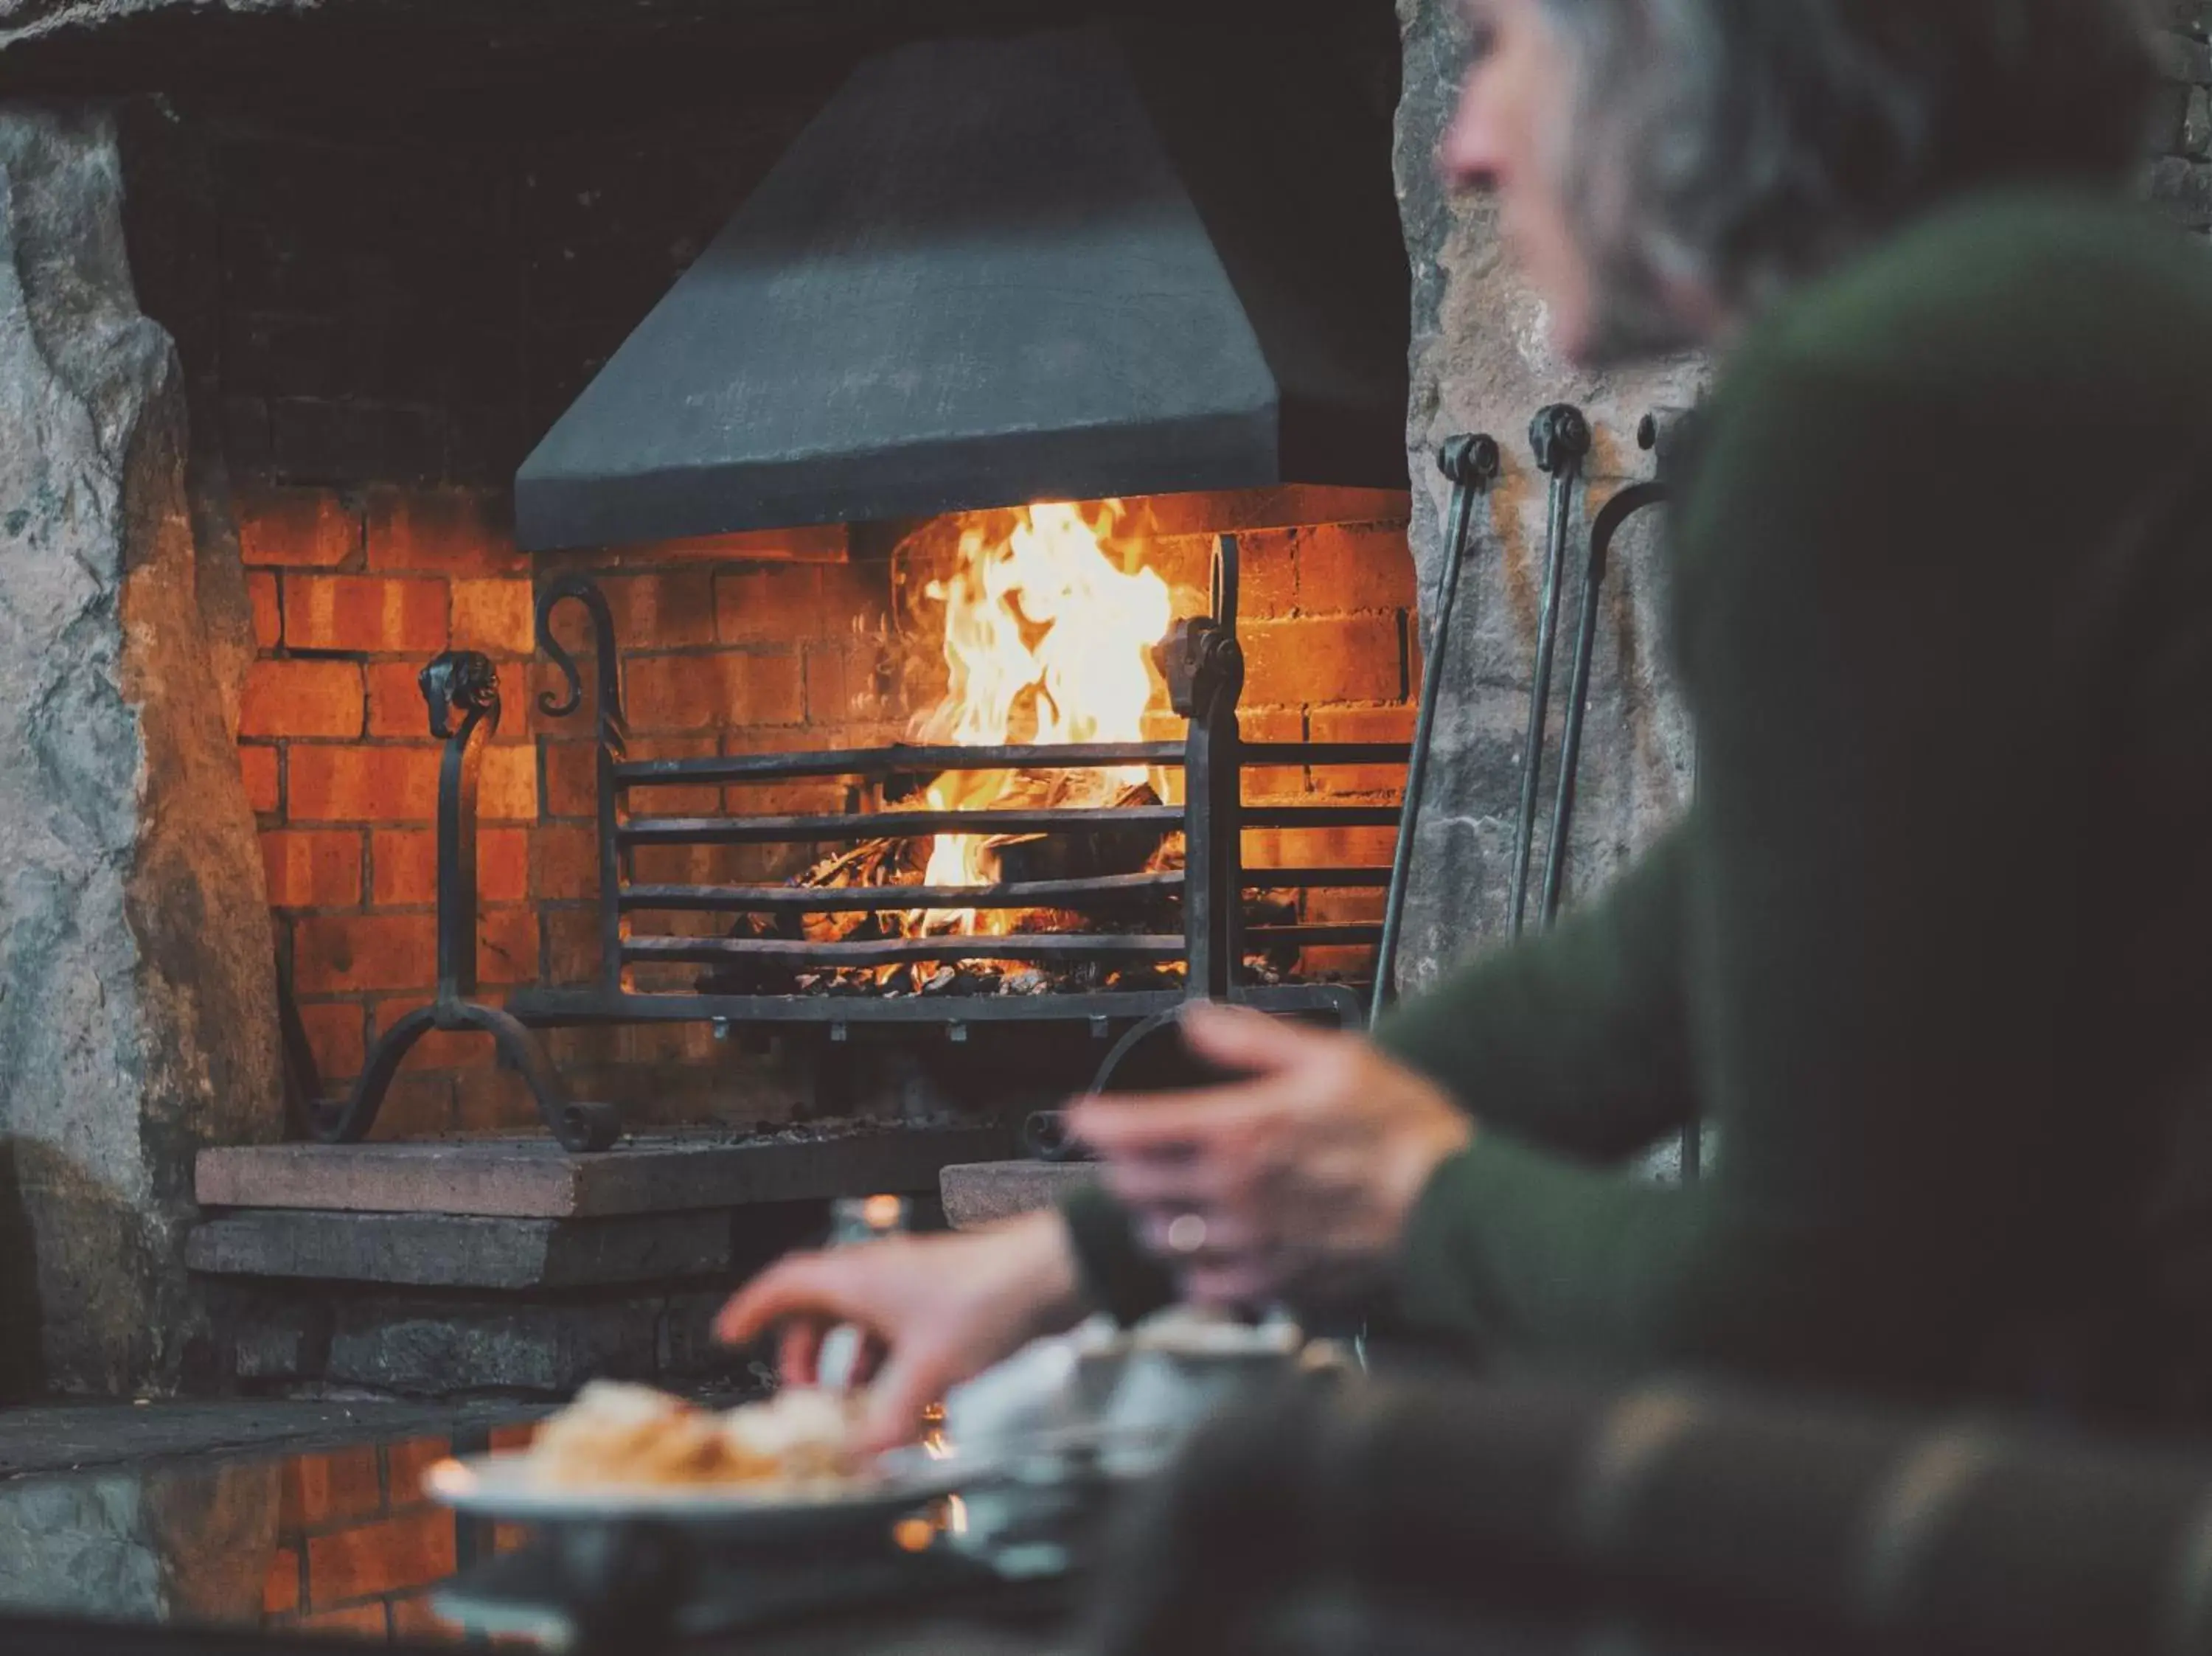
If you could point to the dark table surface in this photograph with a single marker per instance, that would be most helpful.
(180, 1519)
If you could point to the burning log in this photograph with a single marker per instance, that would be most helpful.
(1090, 856)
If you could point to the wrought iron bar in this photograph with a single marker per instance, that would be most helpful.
(791, 830)
(1028, 893)
(953, 948)
(890, 899)
(1204, 666)
(739, 768)
(795, 830)
(460, 689)
(1316, 934)
(1045, 946)
(1472, 464)
(1100, 1008)
(465, 683)
(1317, 816)
(1615, 513)
(890, 760)
(1561, 437)
(1317, 879)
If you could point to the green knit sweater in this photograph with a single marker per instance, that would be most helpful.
(1933, 947)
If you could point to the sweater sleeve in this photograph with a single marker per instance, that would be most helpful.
(1870, 991)
(1574, 1041)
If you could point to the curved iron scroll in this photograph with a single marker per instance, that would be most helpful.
(578, 1125)
(613, 735)
(607, 664)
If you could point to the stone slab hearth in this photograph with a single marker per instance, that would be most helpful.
(432, 1250)
(533, 1177)
(983, 1193)
(506, 1265)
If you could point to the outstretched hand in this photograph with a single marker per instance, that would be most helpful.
(1291, 1184)
(933, 1312)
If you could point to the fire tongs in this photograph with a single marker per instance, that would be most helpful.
(1472, 464)
(1560, 437)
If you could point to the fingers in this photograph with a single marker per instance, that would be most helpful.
(820, 1287)
(1236, 1287)
(868, 1361)
(1227, 1237)
(1158, 1124)
(1239, 1038)
(1178, 1185)
(1286, 1063)
(913, 1379)
(798, 1352)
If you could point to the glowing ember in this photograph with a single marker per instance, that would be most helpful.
(1048, 640)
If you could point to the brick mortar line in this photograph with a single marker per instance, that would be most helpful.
(324, 1528)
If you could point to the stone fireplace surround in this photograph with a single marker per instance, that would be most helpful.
(387, 250)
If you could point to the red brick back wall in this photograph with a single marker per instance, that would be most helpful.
(770, 641)
(354, 591)
(360, 1547)
(1328, 619)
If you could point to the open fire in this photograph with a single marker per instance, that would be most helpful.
(1048, 641)
(1047, 622)
(1075, 874)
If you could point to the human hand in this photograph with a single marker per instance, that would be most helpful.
(933, 1310)
(1291, 1183)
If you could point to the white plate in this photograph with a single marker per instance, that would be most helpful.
(505, 1487)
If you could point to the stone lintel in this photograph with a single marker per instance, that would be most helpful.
(533, 1177)
(984, 1193)
(426, 1250)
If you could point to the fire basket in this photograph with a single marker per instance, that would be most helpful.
(753, 979)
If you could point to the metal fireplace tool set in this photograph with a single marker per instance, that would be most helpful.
(1204, 667)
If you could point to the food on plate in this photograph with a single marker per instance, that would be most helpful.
(616, 1433)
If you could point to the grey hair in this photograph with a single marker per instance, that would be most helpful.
(1736, 147)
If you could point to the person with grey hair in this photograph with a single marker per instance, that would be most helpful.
(1928, 947)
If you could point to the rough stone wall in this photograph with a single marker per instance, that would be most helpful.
(2181, 176)
(187, 1545)
(1480, 362)
(137, 998)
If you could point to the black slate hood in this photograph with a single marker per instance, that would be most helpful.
(1056, 267)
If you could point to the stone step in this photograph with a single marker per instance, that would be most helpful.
(427, 1250)
(983, 1193)
(531, 1177)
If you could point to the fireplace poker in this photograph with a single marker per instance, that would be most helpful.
(1472, 464)
(1560, 436)
(1610, 520)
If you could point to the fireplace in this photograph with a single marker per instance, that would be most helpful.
(389, 273)
(1045, 861)
(1077, 411)
(390, 268)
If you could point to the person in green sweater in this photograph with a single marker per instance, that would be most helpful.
(1930, 949)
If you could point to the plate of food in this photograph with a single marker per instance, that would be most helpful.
(784, 1467)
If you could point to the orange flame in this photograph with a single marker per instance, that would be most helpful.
(1048, 640)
